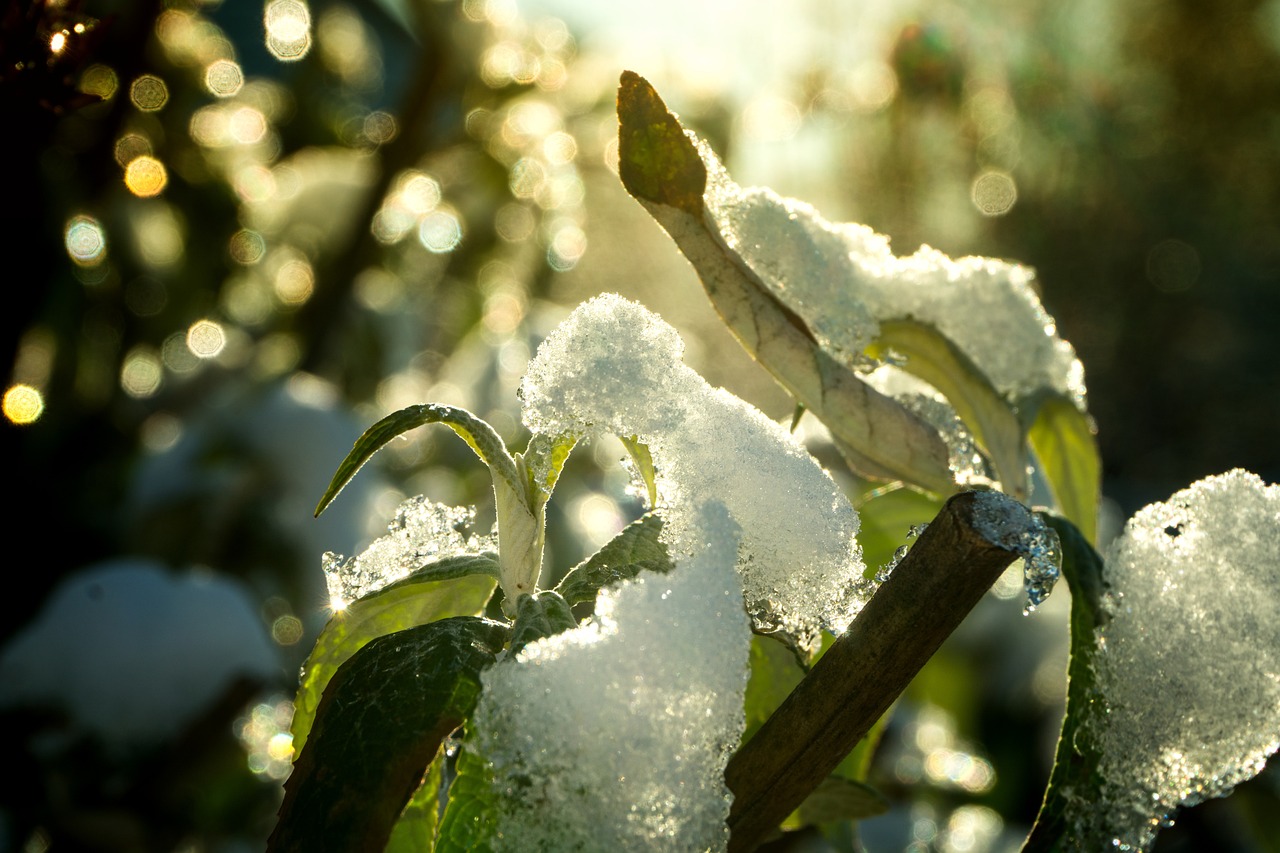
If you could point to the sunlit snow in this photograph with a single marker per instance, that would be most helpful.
(616, 367)
(1189, 661)
(615, 735)
(422, 532)
(842, 279)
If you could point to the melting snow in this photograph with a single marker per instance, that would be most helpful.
(1189, 661)
(614, 366)
(615, 735)
(422, 532)
(1005, 522)
(843, 279)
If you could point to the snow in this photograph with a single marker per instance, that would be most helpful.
(1189, 661)
(614, 366)
(133, 653)
(615, 735)
(422, 532)
(843, 279)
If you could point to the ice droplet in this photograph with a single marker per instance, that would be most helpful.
(1005, 522)
(421, 532)
(1188, 661)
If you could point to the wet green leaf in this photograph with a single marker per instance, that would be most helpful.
(544, 459)
(457, 586)
(637, 547)
(1064, 441)
(478, 435)
(467, 822)
(887, 516)
(543, 614)
(643, 461)
(415, 829)
(380, 723)
(1074, 776)
(985, 412)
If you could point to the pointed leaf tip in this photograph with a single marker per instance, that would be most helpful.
(656, 160)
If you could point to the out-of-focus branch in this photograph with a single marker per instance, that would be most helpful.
(321, 316)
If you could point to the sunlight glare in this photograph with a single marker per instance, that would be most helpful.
(23, 404)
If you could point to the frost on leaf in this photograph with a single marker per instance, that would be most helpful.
(422, 532)
(844, 280)
(1188, 660)
(615, 735)
(614, 366)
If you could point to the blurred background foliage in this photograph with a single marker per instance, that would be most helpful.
(235, 233)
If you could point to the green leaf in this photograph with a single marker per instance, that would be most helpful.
(644, 466)
(381, 721)
(1074, 776)
(984, 410)
(1064, 441)
(878, 436)
(837, 798)
(775, 672)
(467, 823)
(415, 830)
(637, 547)
(478, 435)
(887, 516)
(656, 160)
(543, 614)
(456, 586)
(544, 459)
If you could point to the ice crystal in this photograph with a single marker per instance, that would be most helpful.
(615, 735)
(843, 279)
(614, 366)
(1005, 522)
(422, 532)
(1188, 659)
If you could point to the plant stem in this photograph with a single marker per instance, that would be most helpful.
(925, 598)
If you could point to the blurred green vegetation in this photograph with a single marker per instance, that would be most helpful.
(236, 233)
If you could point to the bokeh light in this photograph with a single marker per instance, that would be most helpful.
(440, 231)
(265, 737)
(246, 247)
(206, 339)
(288, 24)
(85, 240)
(141, 373)
(23, 404)
(100, 80)
(286, 630)
(145, 177)
(872, 85)
(993, 193)
(294, 282)
(223, 78)
(149, 93)
(131, 146)
(380, 127)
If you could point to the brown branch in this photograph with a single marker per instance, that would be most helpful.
(920, 605)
